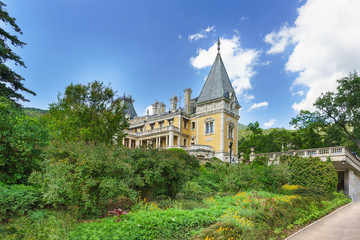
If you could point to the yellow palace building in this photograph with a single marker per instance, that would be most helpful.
(205, 127)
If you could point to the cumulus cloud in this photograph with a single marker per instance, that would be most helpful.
(261, 105)
(270, 123)
(202, 34)
(325, 37)
(239, 62)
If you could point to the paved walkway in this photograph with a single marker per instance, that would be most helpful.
(342, 224)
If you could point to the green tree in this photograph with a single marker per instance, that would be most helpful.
(310, 127)
(89, 113)
(343, 107)
(10, 81)
(21, 139)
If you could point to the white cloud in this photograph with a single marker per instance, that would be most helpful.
(300, 93)
(248, 98)
(279, 40)
(258, 106)
(201, 34)
(239, 62)
(325, 36)
(270, 123)
(180, 37)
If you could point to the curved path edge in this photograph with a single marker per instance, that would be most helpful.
(315, 231)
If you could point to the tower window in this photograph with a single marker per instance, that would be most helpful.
(231, 130)
(192, 125)
(209, 126)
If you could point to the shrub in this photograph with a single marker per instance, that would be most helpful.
(88, 177)
(84, 177)
(312, 172)
(17, 200)
(256, 176)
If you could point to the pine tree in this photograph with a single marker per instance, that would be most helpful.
(10, 81)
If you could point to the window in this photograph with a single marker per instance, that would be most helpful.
(152, 126)
(185, 123)
(161, 124)
(231, 130)
(185, 141)
(192, 125)
(209, 127)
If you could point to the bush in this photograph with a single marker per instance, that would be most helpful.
(83, 177)
(256, 176)
(17, 200)
(312, 172)
(89, 177)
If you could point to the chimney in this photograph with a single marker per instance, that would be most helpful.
(187, 107)
(173, 101)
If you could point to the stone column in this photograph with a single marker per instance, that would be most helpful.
(171, 139)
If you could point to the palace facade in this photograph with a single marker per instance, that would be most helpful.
(205, 127)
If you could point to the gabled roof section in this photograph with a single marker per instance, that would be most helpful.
(217, 84)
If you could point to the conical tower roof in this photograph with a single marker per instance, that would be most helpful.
(217, 84)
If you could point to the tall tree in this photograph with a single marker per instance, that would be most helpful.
(89, 113)
(10, 81)
(21, 140)
(343, 107)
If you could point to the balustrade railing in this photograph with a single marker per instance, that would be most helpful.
(152, 131)
(317, 152)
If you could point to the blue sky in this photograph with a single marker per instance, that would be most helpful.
(280, 54)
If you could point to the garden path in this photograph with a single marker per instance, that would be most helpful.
(340, 225)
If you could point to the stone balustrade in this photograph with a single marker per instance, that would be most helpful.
(152, 131)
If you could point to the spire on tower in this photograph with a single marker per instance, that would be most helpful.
(218, 43)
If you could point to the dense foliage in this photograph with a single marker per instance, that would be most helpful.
(88, 177)
(21, 141)
(17, 200)
(89, 113)
(312, 172)
(10, 81)
(343, 107)
(311, 131)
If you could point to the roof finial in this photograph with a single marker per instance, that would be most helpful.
(218, 43)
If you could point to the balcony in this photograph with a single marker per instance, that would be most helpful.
(152, 131)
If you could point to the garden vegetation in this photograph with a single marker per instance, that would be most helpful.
(65, 175)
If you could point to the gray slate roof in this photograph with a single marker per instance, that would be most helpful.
(128, 102)
(217, 83)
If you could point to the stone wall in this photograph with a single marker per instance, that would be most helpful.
(354, 185)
